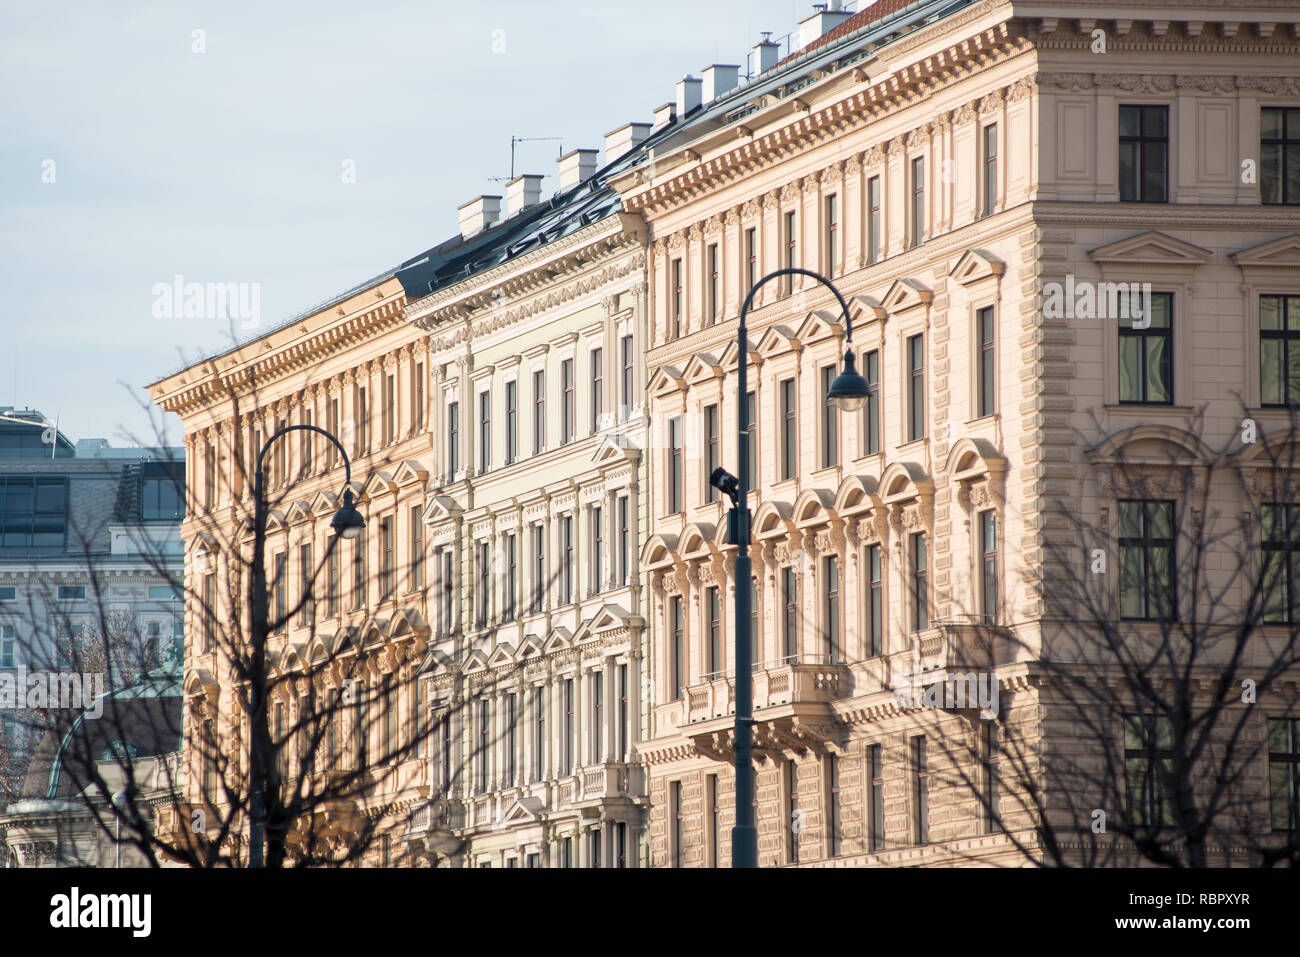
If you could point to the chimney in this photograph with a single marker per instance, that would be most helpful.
(822, 22)
(522, 192)
(620, 141)
(765, 54)
(575, 166)
(688, 94)
(478, 214)
(664, 115)
(719, 79)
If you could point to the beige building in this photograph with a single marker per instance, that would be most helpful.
(944, 166)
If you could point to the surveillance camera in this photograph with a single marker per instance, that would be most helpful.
(726, 483)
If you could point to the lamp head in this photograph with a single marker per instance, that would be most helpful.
(849, 389)
(726, 483)
(347, 521)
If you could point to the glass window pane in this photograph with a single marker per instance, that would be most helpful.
(1270, 124)
(1128, 121)
(1162, 520)
(1127, 171)
(1130, 369)
(1155, 121)
(1270, 312)
(1130, 584)
(1270, 173)
(1153, 185)
(1159, 370)
(1270, 388)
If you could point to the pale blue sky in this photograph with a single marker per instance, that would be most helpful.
(225, 166)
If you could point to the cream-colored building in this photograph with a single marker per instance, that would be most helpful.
(943, 166)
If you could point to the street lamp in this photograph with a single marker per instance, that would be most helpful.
(347, 523)
(848, 391)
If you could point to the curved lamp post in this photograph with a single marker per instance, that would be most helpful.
(848, 391)
(347, 523)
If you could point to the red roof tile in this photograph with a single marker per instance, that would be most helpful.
(877, 11)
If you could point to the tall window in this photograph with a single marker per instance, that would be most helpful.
(753, 620)
(629, 369)
(512, 725)
(332, 588)
(570, 728)
(876, 812)
(305, 443)
(209, 610)
(678, 618)
(920, 584)
(920, 790)
(597, 549)
(990, 168)
(624, 727)
(1284, 774)
(1143, 154)
(624, 537)
(711, 307)
(566, 571)
(278, 587)
(332, 427)
(675, 503)
(915, 388)
(1280, 537)
(539, 567)
(417, 549)
(512, 575)
(539, 412)
(751, 259)
(712, 455)
(989, 565)
(918, 201)
(713, 605)
(875, 603)
(453, 438)
(789, 430)
(751, 430)
(363, 419)
(484, 745)
(448, 575)
(597, 682)
(1279, 156)
(209, 476)
(871, 408)
(832, 236)
(676, 317)
(1146, 570)
(306, 571)
(986, 401)
(597, 388)
(386, 559)
(677, 851)
(831, 607)
(790, 611)
(1148, 768)
(568, 426)
(597, 852)
(1279, 349)
(417, 397)
(873, 219)
(712, 830)
(791, 246)
(830, 421)
(484, 431)
(512, 421)
(1146, 352)
(793, 819)
(539, 730)
(163, 499)
(390, 408)
(483, 591)
(835, 809)
(992, 767)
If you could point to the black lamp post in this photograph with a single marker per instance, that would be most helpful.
(347, 523)
(848, 391)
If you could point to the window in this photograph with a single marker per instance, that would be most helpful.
(916, 388)
(417, 399)
(920, 584)
(992, 795)
(597, 388)
(390, 721)
(624, 729)
(1279, 350)
(360, 728)
(539, 567)
(209, 476)
(453, 439)
(791, 247)
(873, 220)
(1146, 373)
(790, 616)
(830, 421)
(751, 259)
(1284, 774)
(1146, 561)
(712, 809)
(539, 730)
(390, 409)
(875, 603)
(713, 605)
(677, 617)
(597, 515)
(711, 307)
(677, 850)
(208, 612)
(789, 430)
(835, 837)
(332, 427)
(539, 412)
(597, 680)
(566, 580)
(1143, 154)
(363, 419)
(359, 572)
(990, 168)
(448, 575)
(876, 813)
(568, 742)
(306, 443)
(386, 560)
(675, 503)
(72, 592)
(512, 576)
(832, 236)
(986, 400)
(8, 593)
(332, 582)
(512, 421)
(568, 427)
(483, 591)
(793, 818)
(512, 721)
(8, 638)
(629, 370)
(920, 788)
(280, 569)
(831, 608)
(871, 408)
(484, 431)
(163, 499)
(712, 455)
(33, 511)
(566, 852)
(675, 317)
(416, 548)
(484, 746)
(1280, 536)
(1279, 156)
(1148, 768)
(751, 432)
(988, 524)
(533, 860)
(624, 538)
(306, 573)
(596, 854)
(753, 620)
(918, 201)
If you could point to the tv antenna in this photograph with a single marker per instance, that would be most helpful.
(526, 139)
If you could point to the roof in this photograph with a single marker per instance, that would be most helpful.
(877, 11)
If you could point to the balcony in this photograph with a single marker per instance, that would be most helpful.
(965, 643)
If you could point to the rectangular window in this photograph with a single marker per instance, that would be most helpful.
(359, 572)
(390, 409)
(512, 576)
(678, 619)
(751, 259)
(596, 851)
(830, 421)
(992, 767)
(597, 515)
(791, 247)
(871, 408)
(751, 431)
(332, 589)
(1284, 774)
(484, 746)
(568, 423)
(306, 572)
(711, 307)
(72, 592)
(920, 584)
(1148, 769)
(569, 727)
(209, 611)
(1146, 572)
(675, 317)
(567, 570)
(986, 402)
(677, 851)
(512, 421)
(629, 369)
(33, 511)
(484, 431)
(1280, 538)
(597, 680)
(417, 548)
(448, 573)
(916, 388)
(306, 443)
(624, 539)
(363, 419)
(482, 594)
(835, 807)
(539, 412)
(332, 427)
(1279, 350)
(539, 568)
(876, 812)
(278, 587)
(873, 220)
(539, 731)
(918, 201)
(597, 388)
(794, 818)
(712, 453)
(675, 478)
(1143, 154)
(1146, 352)
(753, 620)
(712, 829)
(453, 439)
(875, 603)
(790, 612)
(387, 562)
(988, 523)
(713, 607)
(417, 399)
(920, 790)
(990, 168)
(512, 724)
(8, 639)
(1279, 156)
(209, 476)
(832, 236)
(831, 608)
(789, 430)
(624, 728)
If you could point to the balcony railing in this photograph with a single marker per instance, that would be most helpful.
(779, 681)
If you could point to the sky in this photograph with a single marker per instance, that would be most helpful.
(294, 148)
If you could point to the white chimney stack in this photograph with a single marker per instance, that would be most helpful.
(522, 192)
(822, 22)
(478, 214)
(719, 78)
(664, 115)
(623, 139)
(575, 166)
(765, 54)
(688, 94)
